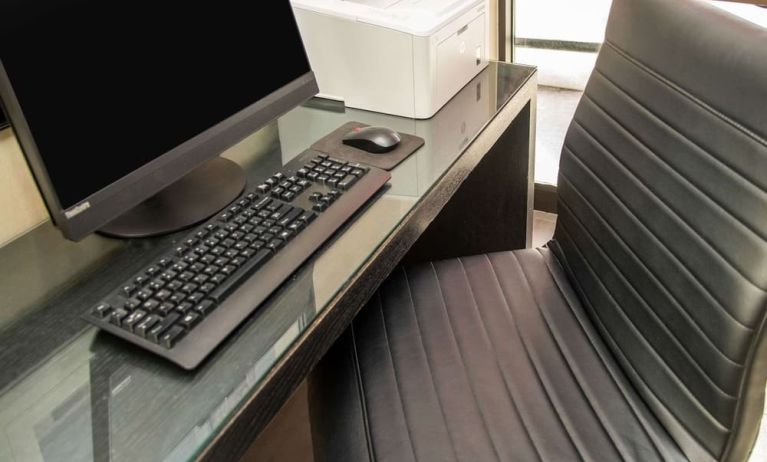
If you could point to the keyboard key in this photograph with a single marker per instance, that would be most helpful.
(307, 217)
(189, 320)
(184, 307)
(132, 319)
(177, 297)
(165, 308)
(116, 316)
(131, 304)
(163, 295)
(261, 204)
(238, 261)
(174, 285)
(223, 261)
(145, 324)
(319, 207)
(197, 267)
(275, 244)
(252, 265)
(218, 278)
(165, 262)
(201, 278)
(290, 216)
(186, 276)
(140, 280)
(189, 288)
(207, 287)
(204, 307)
(150, 305)
(195, 297)
(162, 326)
(144, 294)
(101, 310)
(347, 182)
(169, 275)
(286, 235)
(172, 336)
(128, 290)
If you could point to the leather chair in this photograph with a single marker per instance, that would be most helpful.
(638, 333)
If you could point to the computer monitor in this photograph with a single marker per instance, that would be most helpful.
(122, 108)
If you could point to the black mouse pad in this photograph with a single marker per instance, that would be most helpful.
(333, 146)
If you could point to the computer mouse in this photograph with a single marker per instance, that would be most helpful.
(376, 140)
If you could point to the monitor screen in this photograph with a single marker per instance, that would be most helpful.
(107, 87)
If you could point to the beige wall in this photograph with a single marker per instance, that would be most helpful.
(493, 32)
(21, 207)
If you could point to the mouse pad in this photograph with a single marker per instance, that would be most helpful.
(333, 146)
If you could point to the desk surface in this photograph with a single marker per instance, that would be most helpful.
(68, 392)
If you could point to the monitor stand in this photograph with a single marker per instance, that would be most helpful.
(188, 201)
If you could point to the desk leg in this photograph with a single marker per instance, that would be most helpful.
(493, 209)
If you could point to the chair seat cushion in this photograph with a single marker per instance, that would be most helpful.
(482, 358)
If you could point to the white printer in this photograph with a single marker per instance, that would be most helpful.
(401, 57)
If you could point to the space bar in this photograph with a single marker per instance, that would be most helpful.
(241, 275)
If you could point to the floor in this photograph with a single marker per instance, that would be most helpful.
(556, 107)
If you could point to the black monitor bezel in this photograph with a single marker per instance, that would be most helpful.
(103, 206)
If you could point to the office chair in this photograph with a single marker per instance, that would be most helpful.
(638, 332)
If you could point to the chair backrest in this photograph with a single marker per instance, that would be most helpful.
(663, 215)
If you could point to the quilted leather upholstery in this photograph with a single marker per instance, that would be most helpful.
(663, 214)
(482, 358)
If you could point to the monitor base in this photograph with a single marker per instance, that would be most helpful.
(188, 201)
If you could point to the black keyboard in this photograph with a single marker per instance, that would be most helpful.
(188, 301)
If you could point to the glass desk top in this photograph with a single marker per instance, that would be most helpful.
(69, 392)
